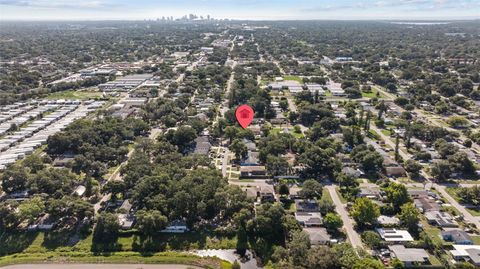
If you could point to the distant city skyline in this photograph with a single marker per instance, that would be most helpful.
(241, 9)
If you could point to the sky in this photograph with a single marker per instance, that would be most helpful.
(240, 9)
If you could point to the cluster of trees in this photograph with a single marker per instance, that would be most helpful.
(166, 111)
(245, 90)
(246, 51)
(219, 55)
(310, 113)
(470, 195)
(88, 82)
(159, 177)
(51, 193)
(397, 202)
(301, 254)
(97, 143)
(453, 161)
(267, 70)
(369, 159)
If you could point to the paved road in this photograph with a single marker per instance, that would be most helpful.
(348, 223)
(99, 266)
(225, 162)
(466, 215)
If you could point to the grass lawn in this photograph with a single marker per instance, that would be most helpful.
(54, 248)
(372, 94)
(276, 130)
(326, 195)
(434, 260)
(342, 199)
(373, 135)
(297, 135)
(296, 78)
(117, 258)
(453, 192)
(476, 240)
(474, 212)
(405, 180)
(74, 94)
(433, 232)
(386, 132)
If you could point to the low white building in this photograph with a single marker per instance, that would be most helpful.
(177, 226)
(394, 235)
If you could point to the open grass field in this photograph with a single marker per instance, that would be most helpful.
(295, 78)
(75, 94)
(164, 248)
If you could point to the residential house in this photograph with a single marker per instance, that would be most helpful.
(44, 223)
(371, 193)
(441, 219)
(80, 190)
(318, 235)
(309, 219)
(202, 145)
(126, 221)
(62, 161)
(394, 235)
(294, 192)
(458, 237)
(426, 204)
(266, 194)
(253, 171)
(388, 220)
(395, 171)
(467, 253)
(176, 226)
(251, 159)
(356, 173)
(411, 257)
(306, 205)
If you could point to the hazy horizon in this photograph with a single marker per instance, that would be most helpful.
(66, 10)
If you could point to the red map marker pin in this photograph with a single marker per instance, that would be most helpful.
(244, 114)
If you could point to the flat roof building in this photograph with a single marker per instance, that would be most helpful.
(394, 235)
